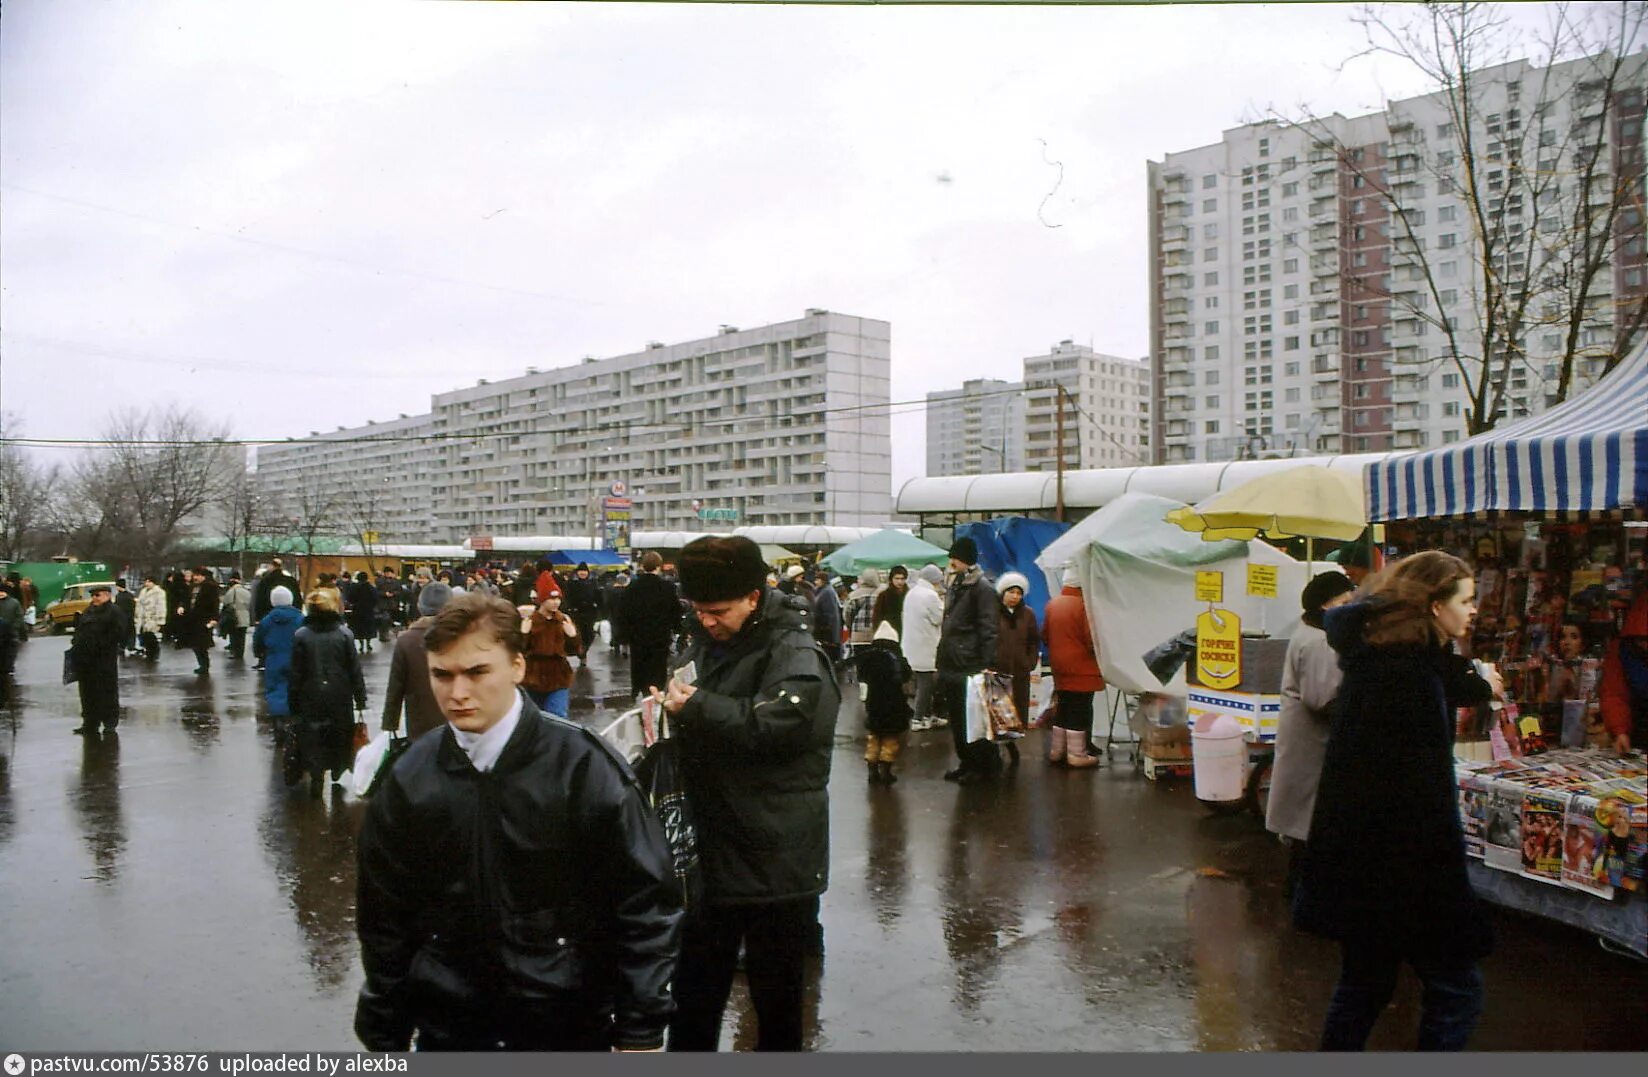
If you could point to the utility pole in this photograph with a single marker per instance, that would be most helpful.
(1058, 414)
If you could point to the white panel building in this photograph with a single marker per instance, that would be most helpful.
(782, 424)
(1106, 409)
(1289, 314)
(977, 429)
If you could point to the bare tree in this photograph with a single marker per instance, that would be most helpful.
(1546, 166)
(132, 501)
(246, 515)
(24, 489)
(311, 511)
(362, 510)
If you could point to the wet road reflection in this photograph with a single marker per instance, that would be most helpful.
(1050, 911)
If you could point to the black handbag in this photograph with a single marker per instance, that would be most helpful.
(291, 759)
(659, 771)
(71, 672)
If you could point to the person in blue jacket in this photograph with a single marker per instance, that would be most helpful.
(272, 645)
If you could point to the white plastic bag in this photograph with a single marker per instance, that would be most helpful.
(370, 761)
(978, 713)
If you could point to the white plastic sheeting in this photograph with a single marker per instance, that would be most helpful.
(1138, 576)
(1034, 491)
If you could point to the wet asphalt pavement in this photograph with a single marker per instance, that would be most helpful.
(162, 889)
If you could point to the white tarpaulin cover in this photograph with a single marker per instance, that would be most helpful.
(1138, 575)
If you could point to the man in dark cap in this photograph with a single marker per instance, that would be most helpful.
(754, 704)
(96, 656)
(967, 645)
(583, 604)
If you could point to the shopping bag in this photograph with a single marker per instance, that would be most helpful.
(1004, 720)
(978, 711)
(660, 774)
(374, 762)
(362, 736)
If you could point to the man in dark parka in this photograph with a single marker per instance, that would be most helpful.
(95, 650)
(755, 727)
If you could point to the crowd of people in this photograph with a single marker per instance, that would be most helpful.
(517, 889)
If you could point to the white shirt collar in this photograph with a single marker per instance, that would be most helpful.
(484, 749)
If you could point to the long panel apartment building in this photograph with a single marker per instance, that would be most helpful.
(781, 424)
(1304, 277)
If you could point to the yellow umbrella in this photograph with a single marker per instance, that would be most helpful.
(1309, 501)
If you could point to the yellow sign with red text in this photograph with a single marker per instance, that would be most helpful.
(1219, 649)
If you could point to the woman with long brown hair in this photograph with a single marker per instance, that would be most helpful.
(1384, 870)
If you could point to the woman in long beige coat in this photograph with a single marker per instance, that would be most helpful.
(1310, 681)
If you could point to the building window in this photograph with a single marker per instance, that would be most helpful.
(1211, 353)
(1210, 279)
(1289, 189)
(1210, 254)
(1212, 402)
(1210, 329)
(1444, 130)
(1447, 213)
(1290, 265)
(1450, 381)
(1291, 396)
(1212, 377)
(1290, 291)
(1210, 205)
(1450, 408)
(1209, 181)
(1290, 317)
(1290, 344)
(1291, 370)
(1210, 231)
(1446, 240)
(1211, 302)
(1449, 437)
(1211, 426)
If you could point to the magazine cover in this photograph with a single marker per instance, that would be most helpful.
(1543, 817)
(1585, 847)
(1473, 812)
(1502, 846)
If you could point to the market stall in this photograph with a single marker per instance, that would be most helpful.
(1546, 510)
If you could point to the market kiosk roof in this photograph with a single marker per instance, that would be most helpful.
(1033, 491)
(1589, 454)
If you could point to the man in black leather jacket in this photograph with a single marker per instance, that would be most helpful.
(515, 889)
(755, 727)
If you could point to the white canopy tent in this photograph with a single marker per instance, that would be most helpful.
(1138, 573)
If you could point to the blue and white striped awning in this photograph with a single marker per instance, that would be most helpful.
(1589, 454)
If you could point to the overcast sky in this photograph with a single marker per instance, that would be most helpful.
(304, 216)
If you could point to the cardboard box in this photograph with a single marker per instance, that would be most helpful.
(1155, 769)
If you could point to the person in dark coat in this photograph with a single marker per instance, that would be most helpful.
(967, 645)
(409, 686)
(276, 576)
(889, 601)
(126, 603)
(272, 647)
(95, 652)
(582, 600)
(326, 677)
(363, 612)
(827, 614)
(516, 891)
(755, 729)
(649, 609)
(1018, 647)
(198, 617)
(883, 673)
(1384, 869)
(177, 599)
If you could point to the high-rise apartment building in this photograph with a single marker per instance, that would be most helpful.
(781, 424)
(1304, 277)
(977, 429)
(1106, 405)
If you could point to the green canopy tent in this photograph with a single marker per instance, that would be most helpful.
(884, 549)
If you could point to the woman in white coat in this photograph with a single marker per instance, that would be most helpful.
(1310, 682)
(923, 617)
(150, 617)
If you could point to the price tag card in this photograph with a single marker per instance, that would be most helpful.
(1210, 586)
(1261, 580)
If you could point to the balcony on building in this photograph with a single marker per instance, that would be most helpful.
(1325, 367)
(1324, 265)
(1175, 238)
(1177, 405)
(1176, 284)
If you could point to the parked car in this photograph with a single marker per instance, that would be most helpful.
(62, 614)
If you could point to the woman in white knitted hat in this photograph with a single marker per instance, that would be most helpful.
(1018, 646)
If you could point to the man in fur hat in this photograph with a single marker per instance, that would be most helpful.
(967, 645)
(754, 704)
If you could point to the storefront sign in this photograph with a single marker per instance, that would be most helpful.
(1210, 586)
(615, 522)
(480, 542)
(1261, 580)
(728, 515)
(1219, 649)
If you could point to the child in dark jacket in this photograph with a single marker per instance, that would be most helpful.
(882, 673)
